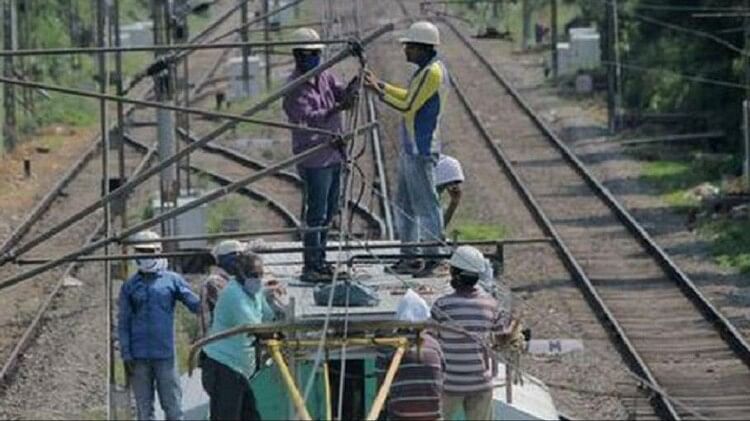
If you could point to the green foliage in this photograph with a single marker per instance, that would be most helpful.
(476, 231)
(730, 242)
(228, 208)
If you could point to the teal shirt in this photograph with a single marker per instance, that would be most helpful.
(235, 307)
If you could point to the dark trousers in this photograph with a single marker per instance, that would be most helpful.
(231, 397)
(321, 204)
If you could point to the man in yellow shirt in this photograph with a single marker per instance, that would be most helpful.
(418, 212)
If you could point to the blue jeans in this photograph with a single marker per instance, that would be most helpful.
(321, 203)
(161, 374)
(418, 214)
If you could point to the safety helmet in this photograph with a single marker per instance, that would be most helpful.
(468, 259)
(448, 170)
(422, 32)
(228, 247)
(146, 240)
(306, 35)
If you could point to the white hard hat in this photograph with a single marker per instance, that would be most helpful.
(468, 259)
(306, 35)
(150, 238)
(412, 308)
(228, 247)
(448, 170)
(422, 32)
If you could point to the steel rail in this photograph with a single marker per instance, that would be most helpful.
(659, 400)
(12, 360)
(289, 218)
(288, 176)
(209, 197)
(728, 331)
(131, 184)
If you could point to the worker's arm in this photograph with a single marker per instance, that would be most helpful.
(186, 295)
(455, 193)
(124, 315)
(205, 310)
(420, 90)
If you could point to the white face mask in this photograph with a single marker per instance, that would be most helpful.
(151, 265)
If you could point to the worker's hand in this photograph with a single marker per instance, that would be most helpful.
(274, 289)
(372, 82)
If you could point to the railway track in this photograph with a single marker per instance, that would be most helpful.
(72, 189)
(693, 360)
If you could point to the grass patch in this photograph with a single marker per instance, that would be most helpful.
(730, 242)
(673, 178)
(228, 208)
(475, 231)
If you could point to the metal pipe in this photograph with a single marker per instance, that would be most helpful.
(212, 196)
(285, 250)
(232, 235)
(327, 390)
(274, 347)
(170, 107)
(267, 48)
(101, 27)
(130, 185)
(163, 48)
(385, 387)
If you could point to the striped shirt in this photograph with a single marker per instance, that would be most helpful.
(418, 386)
(469, 366)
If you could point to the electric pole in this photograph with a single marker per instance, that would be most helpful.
(10, 42)
(609, 58)
(553, 31)
(267, 38)
(526, 17)
(245, 37)
(164, 118)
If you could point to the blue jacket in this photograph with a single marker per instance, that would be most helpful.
(146, 314)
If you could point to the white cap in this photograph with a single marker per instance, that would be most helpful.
(228, 247)
(412, 308)
(469, 259)
(306, 35)
(150, 236)
(422, 32)
(448, 170)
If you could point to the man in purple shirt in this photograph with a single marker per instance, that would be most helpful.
(317, 103)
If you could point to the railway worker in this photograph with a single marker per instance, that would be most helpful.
(146, 330)
(421, 105)
(317, 103)
(217, 280)
(469, 365)
(416, 391)
(229, 364)
(449, 176)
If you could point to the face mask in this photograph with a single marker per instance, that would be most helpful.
(251, 285)
(151, 265)
(308, 62)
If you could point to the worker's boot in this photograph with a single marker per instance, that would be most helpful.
(406, 267)
(315, 276)
(329, 269)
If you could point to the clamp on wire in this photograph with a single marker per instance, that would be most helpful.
(356, 48)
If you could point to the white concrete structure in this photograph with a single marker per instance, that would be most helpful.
(138, 34)
(256, 83)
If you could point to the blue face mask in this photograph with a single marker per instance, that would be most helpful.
(308, 62)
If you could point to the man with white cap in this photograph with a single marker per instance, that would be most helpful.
(448, 177)
(317, 103)
(217, 280)
(469, 364)
(421, 105)
(146, 329)
(416, 391)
